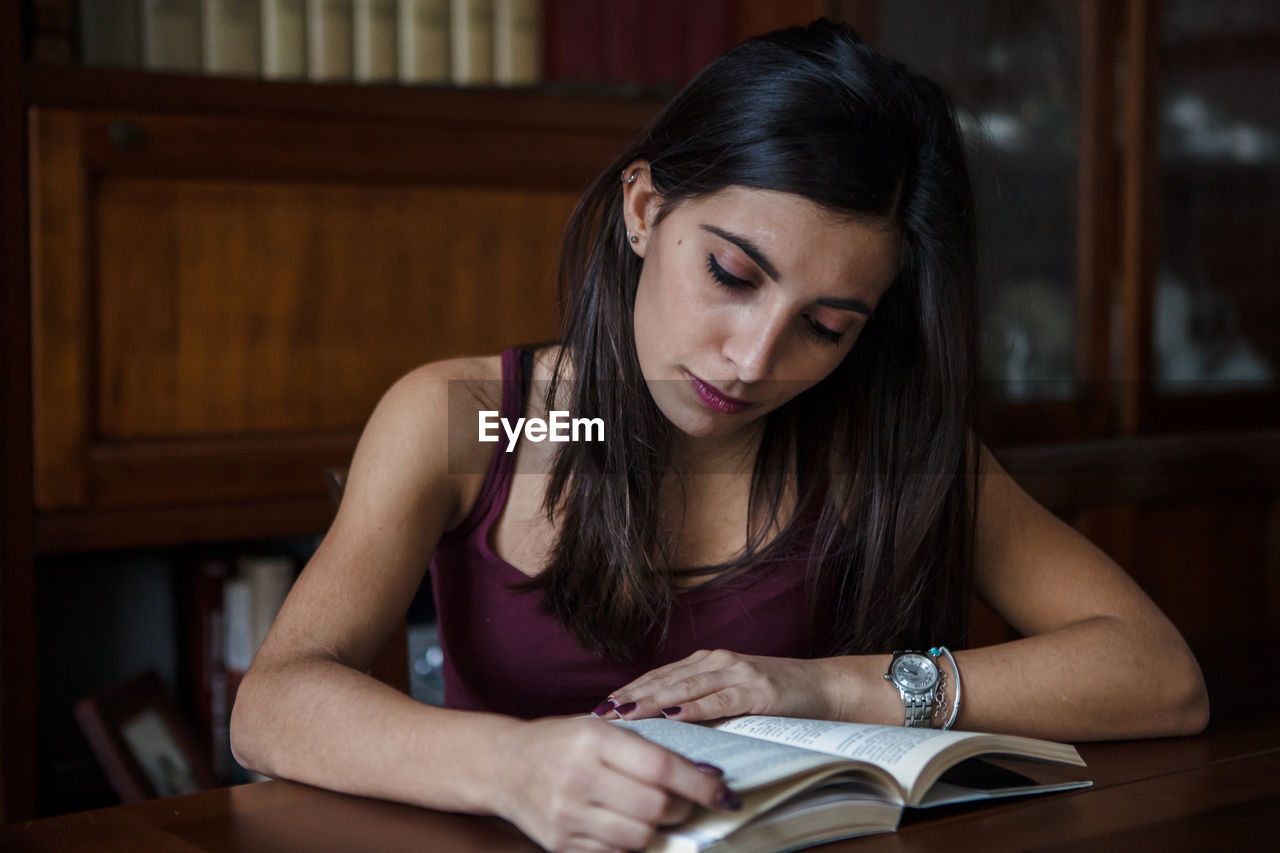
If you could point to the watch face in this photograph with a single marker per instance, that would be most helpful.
(914, 672)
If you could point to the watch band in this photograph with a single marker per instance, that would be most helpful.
(919, 709)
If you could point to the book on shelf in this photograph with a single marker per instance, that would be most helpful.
(423, 34)
(232, 37)
(471, 42)
(171, 35)
(329, 41)
(517, 42)
(270, 578)
(654, 44)
(109, 33)
(708, 32)
(202, 681)
(805, 782)
(663, 29)
(284, 39)
(623, 52)
(374, 41)
(634, 44)
(574, 40)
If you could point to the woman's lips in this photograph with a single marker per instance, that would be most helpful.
(714, 399)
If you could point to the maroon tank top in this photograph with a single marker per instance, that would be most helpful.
(502, 653)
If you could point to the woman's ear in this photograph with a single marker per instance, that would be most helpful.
(639, 205)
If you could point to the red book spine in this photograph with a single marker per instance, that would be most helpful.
(574, 40)
(219, 722)
(710, 33)
(623, 42)
(664, 33)
(204, 672)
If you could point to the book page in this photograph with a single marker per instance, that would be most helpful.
(746, 763)
(901, 751)
(785, 819)
(980, 779)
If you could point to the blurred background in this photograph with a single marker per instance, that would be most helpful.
(229, 225)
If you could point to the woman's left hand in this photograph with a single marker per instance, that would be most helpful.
(708, 685)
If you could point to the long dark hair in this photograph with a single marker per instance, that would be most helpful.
(888, 478)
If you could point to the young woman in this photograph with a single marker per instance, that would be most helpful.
(768, 300)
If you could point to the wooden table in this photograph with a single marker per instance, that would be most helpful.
(1218, 789)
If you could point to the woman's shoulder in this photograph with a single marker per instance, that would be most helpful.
(423, 390)
(478, 374)
(468, 369)
(434, 409)
(433, 396)
(421, 437)
(420, 414)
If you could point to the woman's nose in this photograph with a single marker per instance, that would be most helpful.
(755, 343)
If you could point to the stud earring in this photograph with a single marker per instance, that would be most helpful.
(633, 238)
(629, 180)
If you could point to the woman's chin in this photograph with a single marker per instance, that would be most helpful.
(705, 425)
(693, 424)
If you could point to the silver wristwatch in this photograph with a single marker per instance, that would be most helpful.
(915, 674)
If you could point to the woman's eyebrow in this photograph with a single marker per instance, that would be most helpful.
(856, 305)
(752, 251)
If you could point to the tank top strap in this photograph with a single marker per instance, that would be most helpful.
(517, 375)
(526, 374)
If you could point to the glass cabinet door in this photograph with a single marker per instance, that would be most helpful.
(1013, 69)
(1217, 289)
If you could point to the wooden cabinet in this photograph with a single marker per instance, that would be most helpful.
(218, 300)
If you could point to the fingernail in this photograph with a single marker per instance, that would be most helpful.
(603, 708)
(674, 709)
(726, 799)
(709, 768)
(625, 709)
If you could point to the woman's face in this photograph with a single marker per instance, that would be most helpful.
(747, 298)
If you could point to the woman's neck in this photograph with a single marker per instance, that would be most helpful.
(729, 456)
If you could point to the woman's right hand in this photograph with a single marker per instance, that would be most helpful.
(581, 784)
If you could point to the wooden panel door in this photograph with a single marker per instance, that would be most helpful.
(219, 302)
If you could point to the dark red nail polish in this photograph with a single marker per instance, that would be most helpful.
(709, 768)
(603, 708)
(726, 799)
(625, 709)
(674, 709)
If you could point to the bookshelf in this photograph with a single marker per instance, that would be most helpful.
(112, 180)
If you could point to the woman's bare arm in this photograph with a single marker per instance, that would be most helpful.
(1098, 659)
(306, 710)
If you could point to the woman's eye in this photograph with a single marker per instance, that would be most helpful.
(822, 333)
(726, 279)
(723, 277)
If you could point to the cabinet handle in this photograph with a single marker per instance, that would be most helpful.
(124, 134)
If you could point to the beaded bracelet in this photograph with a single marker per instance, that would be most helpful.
(934, 653)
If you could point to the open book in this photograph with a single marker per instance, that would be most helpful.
(805, 782)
